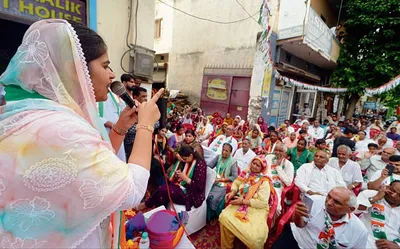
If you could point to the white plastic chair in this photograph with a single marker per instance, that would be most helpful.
(197, 216)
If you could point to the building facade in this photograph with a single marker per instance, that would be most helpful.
(211, 62)
(306, 50)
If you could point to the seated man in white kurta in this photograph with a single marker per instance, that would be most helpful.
(280, 170)
(317, 178)
(216, 145)
(244, 155)
(351, 171)
(329, 223)
(380, 213)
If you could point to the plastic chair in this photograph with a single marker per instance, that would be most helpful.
(295, 196)
(188, 127)
(357, 190)
(273, 203)
(197, 216)
(228, 188)
(284, 220)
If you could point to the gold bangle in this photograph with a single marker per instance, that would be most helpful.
(119, 131)
(145, 127)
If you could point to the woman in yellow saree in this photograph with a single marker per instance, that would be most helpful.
(246, 216)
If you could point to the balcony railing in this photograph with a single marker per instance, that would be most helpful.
(297, 20)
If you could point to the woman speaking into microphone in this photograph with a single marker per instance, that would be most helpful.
(60, 181)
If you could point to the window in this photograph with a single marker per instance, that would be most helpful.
(157, 28)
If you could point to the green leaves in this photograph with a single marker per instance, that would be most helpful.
(370, 56)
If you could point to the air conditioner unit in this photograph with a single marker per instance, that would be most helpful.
(142, 60)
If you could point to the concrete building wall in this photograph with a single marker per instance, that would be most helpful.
(163, 44)
(198, 44)
(113, 23)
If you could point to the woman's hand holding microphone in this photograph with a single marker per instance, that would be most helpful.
(145, 114)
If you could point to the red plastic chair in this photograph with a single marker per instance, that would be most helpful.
(287, 217)
(188, 127)
(357, 190)
(295, 196)
(273, 204)
(284, 194)
(228, 188)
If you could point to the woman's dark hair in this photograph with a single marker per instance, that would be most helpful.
(191, 132)
(302, 140)
(320, 141)
(229, 145)
(179, 126)
(274, 132)
(92, 44)
(187, 150)
(157, 130)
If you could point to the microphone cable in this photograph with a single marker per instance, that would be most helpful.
(172, 203)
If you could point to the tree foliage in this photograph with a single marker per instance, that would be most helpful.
(370, 55)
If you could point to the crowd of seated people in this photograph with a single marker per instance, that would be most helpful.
(328, 164)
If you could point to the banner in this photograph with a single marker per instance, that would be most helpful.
(34, 10)
(372, 91)
(384, 88)
(309, 86)
(266, 86)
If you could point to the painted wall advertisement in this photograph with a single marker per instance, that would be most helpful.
(34, 10)
(317, 34)
(216, 89)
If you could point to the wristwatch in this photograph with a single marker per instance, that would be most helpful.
(371, 200)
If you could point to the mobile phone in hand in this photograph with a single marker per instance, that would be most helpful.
(390, 168)
(308, 202)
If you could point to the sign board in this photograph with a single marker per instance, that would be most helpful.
(369, 105)
(318, 36)
(74, 10)
(275, 102)
(266, 81)
(284, 106)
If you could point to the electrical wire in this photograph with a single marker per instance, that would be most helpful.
(136, 14)
(129, 25)
(340, 12)
(131, 48)
(172, 203)
(122, 59)
(206, 19)
(247, 12)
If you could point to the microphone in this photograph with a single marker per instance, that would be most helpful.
(119, 89)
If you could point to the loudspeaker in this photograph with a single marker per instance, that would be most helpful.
(162, 106)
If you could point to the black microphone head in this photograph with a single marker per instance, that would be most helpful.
(118, 88)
